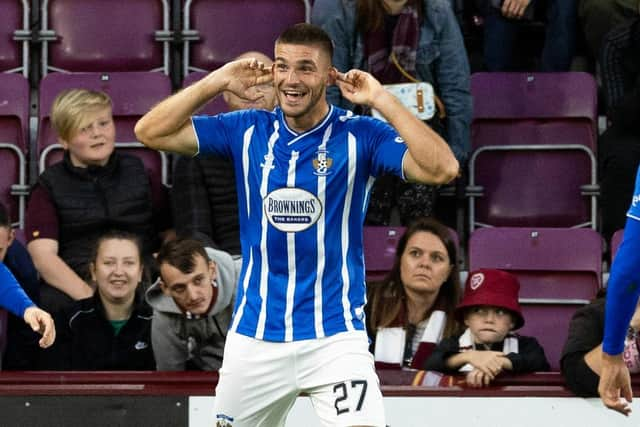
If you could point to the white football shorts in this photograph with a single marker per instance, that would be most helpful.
(260, 381)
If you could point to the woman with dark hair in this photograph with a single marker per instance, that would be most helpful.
(411, 310)
(110, 330)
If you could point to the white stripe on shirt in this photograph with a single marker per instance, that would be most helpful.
(245, 286)
(351, 169)
(320, 230)
(246, 141)
(291, 258)
(367, 194)
(264, 265)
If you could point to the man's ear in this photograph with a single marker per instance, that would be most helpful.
(213, 270)
(163, 287)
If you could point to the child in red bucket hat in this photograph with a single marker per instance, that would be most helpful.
(490, 311)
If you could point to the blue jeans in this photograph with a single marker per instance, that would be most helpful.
(560, 35)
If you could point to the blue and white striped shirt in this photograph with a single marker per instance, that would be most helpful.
(634, 209)
(302, 201)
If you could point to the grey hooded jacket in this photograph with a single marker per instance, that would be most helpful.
(182, 340)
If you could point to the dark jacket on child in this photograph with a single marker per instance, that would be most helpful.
(530, 356)
(86, 340)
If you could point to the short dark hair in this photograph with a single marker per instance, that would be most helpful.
(181, 253)
(307, 34)
(4, 217)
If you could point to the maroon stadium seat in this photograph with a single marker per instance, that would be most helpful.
(616, 239)
(14, 36)
(379, 246)
(14, 131)
(533, 139)
(100, 36)
(560, 269)
(216, 31)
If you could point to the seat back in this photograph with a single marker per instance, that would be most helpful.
(14, 131)
(214, 35)
(533, 143)
(132, 95)
(559, 270)
(513, 97)
(379, 247)
(98, 36)
(213, 107)
(14, 36)
(616, 240)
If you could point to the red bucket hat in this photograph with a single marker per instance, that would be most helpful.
(492, 287)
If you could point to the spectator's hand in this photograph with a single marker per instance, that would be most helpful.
(245, 75)
(359, 87)
(614, 381)
(514, 9)
(488, 362)
(42, 323)
(478, 379)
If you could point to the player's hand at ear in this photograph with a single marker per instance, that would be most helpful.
(244, 75)
(358, 87)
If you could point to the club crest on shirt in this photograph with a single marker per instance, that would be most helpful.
(268, 161)
(292, 209)
(322, 163)
(223, 420)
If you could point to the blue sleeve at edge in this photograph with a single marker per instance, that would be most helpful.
(12, 296)
(623, 289)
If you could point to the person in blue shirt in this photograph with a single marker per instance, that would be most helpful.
(22, 350)
(622, 295)
(12, 296)
(303, 174)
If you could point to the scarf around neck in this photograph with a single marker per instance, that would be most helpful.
(404, 44)
(391, 342)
